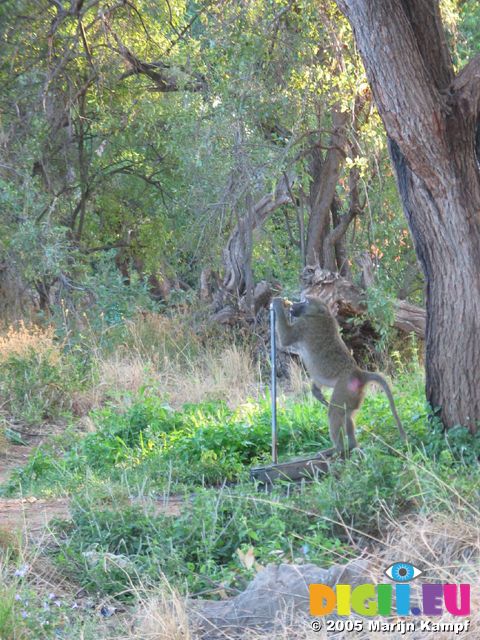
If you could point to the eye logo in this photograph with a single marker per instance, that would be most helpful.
(402, 572)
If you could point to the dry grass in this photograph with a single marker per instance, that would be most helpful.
(10, 543)
(300, 631)
(128, 372)
(161, 617)
(160, 338)
(37, 379)
(228, 374)
(23, 340)
(445, 546)
(164, 616)
(3, 440)
(166, 355)
(299, 383)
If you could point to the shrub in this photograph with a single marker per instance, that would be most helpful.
(205, 443)
(201, 547)
(36, 378)
(453, 445)
(360, 491)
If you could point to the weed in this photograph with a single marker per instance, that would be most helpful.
(36, 377)
(205, 443)
(112, 549)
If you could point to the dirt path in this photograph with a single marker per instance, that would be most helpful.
(27, 514)
(32, 515)
(13, 456)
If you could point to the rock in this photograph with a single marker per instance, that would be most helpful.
(277, 596)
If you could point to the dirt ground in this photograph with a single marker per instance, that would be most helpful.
(28, 514)
(31, 515)
(12, 456)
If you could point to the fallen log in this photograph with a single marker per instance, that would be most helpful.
(347, 300)
(409, 318)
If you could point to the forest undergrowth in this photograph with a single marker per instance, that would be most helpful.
(148, 413)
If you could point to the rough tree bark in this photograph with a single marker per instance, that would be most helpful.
(327, 229)
(431, 118)
(234, 257)
(326, 172)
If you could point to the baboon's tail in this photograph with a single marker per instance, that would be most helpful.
(376, 377)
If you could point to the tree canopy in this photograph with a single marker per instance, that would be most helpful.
(137, 133)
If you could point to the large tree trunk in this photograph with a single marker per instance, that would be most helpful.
(431, 118)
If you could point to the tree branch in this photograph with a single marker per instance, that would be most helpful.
(466, 89)
(164, 80)
(326, 172)
(233, 254)
(426, 21)
(337, 233)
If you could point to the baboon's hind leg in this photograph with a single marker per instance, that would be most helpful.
(340, 416)
(317, 393)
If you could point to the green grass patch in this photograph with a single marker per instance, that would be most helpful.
(112, 549)
(203, 444)
(115, 543)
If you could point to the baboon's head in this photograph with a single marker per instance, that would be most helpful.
(309, 307)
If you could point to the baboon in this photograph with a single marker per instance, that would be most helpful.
(315, 336)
